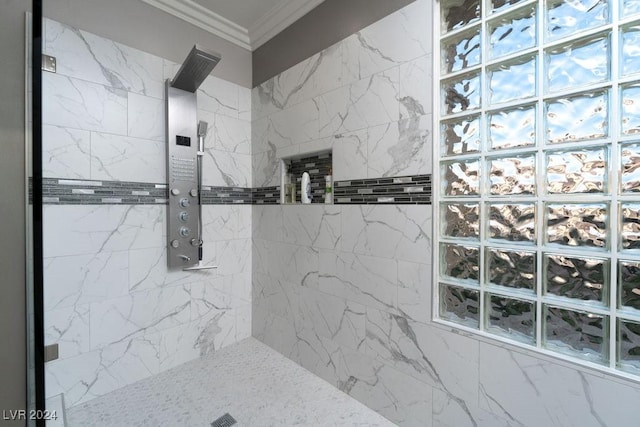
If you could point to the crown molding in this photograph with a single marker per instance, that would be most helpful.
(204, 18)
(283, 14)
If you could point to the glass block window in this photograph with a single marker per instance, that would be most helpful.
(538, 191)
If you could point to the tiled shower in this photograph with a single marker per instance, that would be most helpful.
(343, 289)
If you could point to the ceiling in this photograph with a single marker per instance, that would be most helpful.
(246, 23)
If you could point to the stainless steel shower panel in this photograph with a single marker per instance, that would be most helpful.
(182, 147)
(195, 68)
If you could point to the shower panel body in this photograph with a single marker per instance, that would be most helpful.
(182, 147)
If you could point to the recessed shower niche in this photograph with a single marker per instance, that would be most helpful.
(319, 166)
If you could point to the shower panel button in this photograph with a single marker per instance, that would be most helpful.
(184, 216)
(184, 202)
(185, 231)
(175, 191)
(193, 192)
(175, 244)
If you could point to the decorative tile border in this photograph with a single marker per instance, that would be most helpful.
(396, 190)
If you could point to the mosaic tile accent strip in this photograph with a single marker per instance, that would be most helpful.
(318, 167)
(266, 195)
(226, 195)
(396, 190)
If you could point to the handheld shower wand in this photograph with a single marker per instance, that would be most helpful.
(202, 132)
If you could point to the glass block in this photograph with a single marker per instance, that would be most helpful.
(512, 175)
(577, 118)
(461, 178)
(577, 171)
(629, 284)
(630, 57)
(512, 128)
(628, 345)
(461, 51)
(630, 220)
(499, 5)
(461, 220)
(461, 136)
(630, 163)
(512, 222)
(577, 277)
(513, 33)
(511, 81)
(569, 17)
(630, 110)
(460, 305)
(457, 14)
(630, 7)
(461, 94)
(511, 317)
(582, 225)
(514, 269)
(577, 333)
(577, 64)
(460, 262)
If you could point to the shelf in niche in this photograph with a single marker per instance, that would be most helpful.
(318, 164)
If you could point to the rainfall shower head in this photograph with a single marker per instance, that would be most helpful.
(195, 69)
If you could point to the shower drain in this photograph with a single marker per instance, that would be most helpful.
(224, 421)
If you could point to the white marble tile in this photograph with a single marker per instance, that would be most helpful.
(89, 57)
(82, 279)
(294, 125)
(96, 373)
(78, 104)
(315, 226)
(396, 232)
(148, 270)
(415, 282)
(122, 158)
(260, 130)
(406, 150)
(318, 354)
(267, 222)
(333, 68)
(137, 314)
(146, 117)
(273, 330)
(243, 322)
(266, 169)
(316, 146)
(416, 87)
(69, 328)
(225, 169)
(233, 135)
(178, 345)
(226, 222)
(78, 230)
(351, 150)
(416, 349)
(365, 103)
(393, 394)
(219, 96)
(292, 263)
(55, 406)
(240, 287)
(207, 301)
(276, 296)
(233, 256)
(447, 412)
(66, 153)
(551, 394)
(335, 318)
(244, 104)
(366, 280)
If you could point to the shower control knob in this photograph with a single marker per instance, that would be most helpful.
(175, 191)
(184, 231)
(195, 242)
(193, 192)
(175, 244)
(184, 216)
(184, 202)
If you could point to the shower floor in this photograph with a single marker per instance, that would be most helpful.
(253, 383)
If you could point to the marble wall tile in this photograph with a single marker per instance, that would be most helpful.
(85, 56)
(366, 280)
(260, 131)
(92, 229)
(226, 222)
(233, 256)
(82, 279)
(404, 150)
(233, 135)
(350, 151)
(138, 313)
(551, 394)
(397, 396)
(66, 153)
(122, 158)
(415, 348)
(267, 222)
(318, 354)
(415, 282)
(225, 169)
(368, 102)
(447, 412)
(276, 296)
(146, 117)
(270, 328)
(244, 104)
(291, 263)
(69, 328)
(294, 125)
(78, 104)
(416, 87)
(219, 96)
(318, 227)
(394, 232)
(148, 270)
(177, 345)
(243, 322)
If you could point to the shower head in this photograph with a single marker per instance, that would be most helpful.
(202, 128)
(195, 69)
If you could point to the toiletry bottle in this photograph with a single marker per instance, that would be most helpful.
(305, 188)
(328, 188)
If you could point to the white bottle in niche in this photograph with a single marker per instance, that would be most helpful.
(305, 189)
